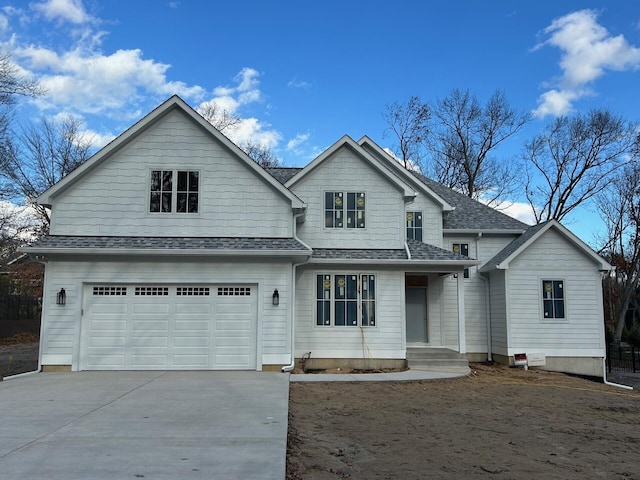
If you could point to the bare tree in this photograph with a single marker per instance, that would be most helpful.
(409, 123)
(40, 156)
(464, 135)
(261, 154)
(573, 160)
(219, 117)
(619, 207)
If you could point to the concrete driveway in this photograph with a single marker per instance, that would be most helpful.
(152, 425)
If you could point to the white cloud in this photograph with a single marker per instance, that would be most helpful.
(91, 82)
(588, 51)
(294, 144)
(231, 99)
(295, 83)
(518, 210)
(16, 220)
(64, 10)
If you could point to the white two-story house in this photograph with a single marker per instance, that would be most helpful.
(171, 249)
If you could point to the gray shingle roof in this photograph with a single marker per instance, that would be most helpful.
(167, 243)
(358, 254)
(424, 251)
(468, 214)
(512, 247)
(419, 252)
(283, 174)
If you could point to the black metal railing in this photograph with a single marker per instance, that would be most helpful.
(623, 358)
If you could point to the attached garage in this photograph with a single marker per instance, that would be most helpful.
(169, 327)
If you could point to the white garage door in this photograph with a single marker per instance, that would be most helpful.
(169, 327)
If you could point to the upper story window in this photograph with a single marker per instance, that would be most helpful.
(334, 209)
(553, 298)
(414, 226)
(174, 191)
(462, 249)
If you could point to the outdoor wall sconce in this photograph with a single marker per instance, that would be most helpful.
(61, 297)
(276, 298)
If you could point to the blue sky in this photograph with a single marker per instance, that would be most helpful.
(302, 74)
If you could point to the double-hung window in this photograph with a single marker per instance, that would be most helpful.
(553, 298)
(346, 300)
(344, 209)
(174, 191)
(414, 226)
(462, 249)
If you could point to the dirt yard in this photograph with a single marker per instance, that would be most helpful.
(18, 354)
(499, 423)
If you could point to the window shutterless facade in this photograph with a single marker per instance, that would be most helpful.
(337, 210)
(174, 191)
(553, 298)
(462, 249)
(414, 226)
(346, 300)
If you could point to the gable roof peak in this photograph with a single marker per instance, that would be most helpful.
(173, 102)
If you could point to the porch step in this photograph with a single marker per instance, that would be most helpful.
(441, 359)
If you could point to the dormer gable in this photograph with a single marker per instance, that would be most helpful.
(347, 142)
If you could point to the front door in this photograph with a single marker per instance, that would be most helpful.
(416, 310)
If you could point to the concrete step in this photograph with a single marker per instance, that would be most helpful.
(426, 352)
(435, 358)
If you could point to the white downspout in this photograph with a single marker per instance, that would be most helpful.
(291, 366)
(607, 382)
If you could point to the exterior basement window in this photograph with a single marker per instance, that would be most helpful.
(174, 191)
(346, 300)
(553, 298)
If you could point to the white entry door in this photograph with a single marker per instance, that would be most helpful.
(169, 327)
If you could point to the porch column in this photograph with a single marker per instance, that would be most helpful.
(462, 334)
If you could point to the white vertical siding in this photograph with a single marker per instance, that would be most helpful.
(475, 291)
(498, 312)
(384, 341)
(345, 171)
(61, 326)
(580, 333)
(114, 198)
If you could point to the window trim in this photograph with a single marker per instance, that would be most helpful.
(414, 228)
(174, 191)
(360, 300)
(553, 299)
(453, 249)
(344, 210)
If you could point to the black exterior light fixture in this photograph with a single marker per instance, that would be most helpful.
(61, 297)
(276, 298)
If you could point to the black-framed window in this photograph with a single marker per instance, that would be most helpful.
(346, 300)
(414, 226)
(553, 298)
(462, 249)
(174, 191)
(339, 213)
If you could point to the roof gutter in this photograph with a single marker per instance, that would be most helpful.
(164, 251)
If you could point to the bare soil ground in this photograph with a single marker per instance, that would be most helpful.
(18, 354)
(498, 423)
